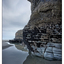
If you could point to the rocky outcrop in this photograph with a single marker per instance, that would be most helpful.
(18, 37)
(19, 34)
(43, 33)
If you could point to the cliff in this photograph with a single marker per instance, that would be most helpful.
(43, 33)
(19, 34)
(44, 12)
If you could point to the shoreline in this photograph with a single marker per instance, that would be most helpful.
(4, 47)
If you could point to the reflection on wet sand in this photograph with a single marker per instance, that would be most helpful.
(38, 60)
(12, 55)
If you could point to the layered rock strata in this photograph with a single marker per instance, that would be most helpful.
(43, 33)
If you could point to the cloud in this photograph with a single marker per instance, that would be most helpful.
(16, 14)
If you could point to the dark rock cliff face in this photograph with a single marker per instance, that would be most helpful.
(43, 33)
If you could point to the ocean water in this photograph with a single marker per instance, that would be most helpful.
(12, 55)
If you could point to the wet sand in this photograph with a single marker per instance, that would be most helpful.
(20, 47)
(11, 55)
(38, 60)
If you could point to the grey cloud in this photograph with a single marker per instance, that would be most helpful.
(16, 14)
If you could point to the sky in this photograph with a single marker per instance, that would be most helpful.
(15, 15)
